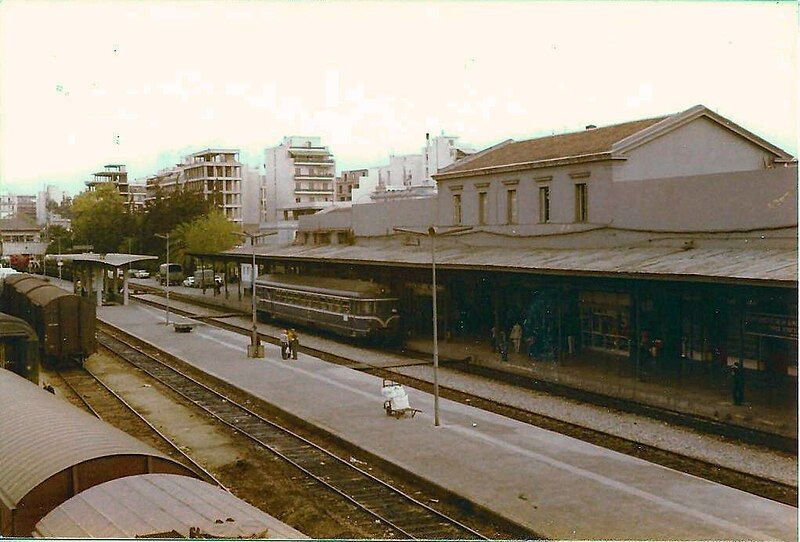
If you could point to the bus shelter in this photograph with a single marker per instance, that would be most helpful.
(101, 274)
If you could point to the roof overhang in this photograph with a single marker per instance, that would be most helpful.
(522, 166)
(108, 260)
(666, 263)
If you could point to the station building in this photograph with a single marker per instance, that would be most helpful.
(668, 244)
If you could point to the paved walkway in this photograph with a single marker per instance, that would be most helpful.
(557, 486)
(695, 392)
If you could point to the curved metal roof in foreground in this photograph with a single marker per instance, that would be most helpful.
(159, 504)
(11, 326)
(51, 450)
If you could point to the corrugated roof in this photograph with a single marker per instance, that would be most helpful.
(757, 264)
(594, 141)
(15, 327)
(42, 435)
(138, 506)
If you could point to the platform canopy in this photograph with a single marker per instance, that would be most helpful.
(110, 260)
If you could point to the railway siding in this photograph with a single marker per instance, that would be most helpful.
(547, 468)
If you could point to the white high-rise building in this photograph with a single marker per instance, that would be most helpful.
(215, 173)
(298, 179)
(410, 174)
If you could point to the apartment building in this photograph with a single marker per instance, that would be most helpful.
(14, 205)
(299, 177)
(114, 174)
(215, 173)
(409, 175)
(347, 182)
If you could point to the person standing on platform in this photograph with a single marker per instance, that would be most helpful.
(516, 337)
(294, 342)
(503, 345)
(737, 383)
(284, 339)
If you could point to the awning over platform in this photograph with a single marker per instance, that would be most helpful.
(774, 266)
(110, 260)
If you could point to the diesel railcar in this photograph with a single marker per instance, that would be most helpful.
(64, 322)
(19, 348)
(352, 308)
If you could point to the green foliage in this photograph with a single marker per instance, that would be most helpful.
(209, 233)
(100, 218)
(56, 233)
(63, 209)
(162, 215)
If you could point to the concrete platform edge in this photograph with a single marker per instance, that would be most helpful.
(386, 465)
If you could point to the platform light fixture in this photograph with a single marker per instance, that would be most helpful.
(255, 349)
(432, 233)
(166, 236)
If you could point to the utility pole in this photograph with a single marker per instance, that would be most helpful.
(166, 236)
(433, 234)
(254, 349)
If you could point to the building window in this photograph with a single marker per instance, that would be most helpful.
(511, 206)
(544, 204)
(457, 209)
(581, 203)
(482, 196)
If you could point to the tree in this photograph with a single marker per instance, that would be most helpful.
(60, 239)
(165, 214)
(209, 233)
(101, 218)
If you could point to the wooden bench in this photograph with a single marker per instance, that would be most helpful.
(183, 327)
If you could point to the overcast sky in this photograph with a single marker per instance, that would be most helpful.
(83, 84)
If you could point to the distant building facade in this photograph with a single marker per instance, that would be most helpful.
(409, 175)
(18, 205)
(114, 174)
(299, 176)
(215, 173)
(347, 182)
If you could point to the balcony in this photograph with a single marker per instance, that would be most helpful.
(308, 161)
(315, 176)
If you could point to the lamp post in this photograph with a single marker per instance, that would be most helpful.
(166, 236)
(432, 233)
(254, 349)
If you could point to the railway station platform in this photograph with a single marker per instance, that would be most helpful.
(696, 393)
(556, 486)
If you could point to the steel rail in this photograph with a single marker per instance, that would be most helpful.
(199, 470)
(521, 414)
(357, 486)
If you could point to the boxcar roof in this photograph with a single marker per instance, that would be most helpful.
(11, 326)
(14, 278)
(325, 285)
(43, 435)
(25, 286)
(47, 293)
(150, 504)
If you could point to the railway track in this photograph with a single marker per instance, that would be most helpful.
(85, 384)
(758, 485)
(403, 513)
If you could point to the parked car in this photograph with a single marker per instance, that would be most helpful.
(140, 273)
(189, 282)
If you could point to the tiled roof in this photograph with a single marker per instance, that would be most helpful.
(597, 140)
(17, 224)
